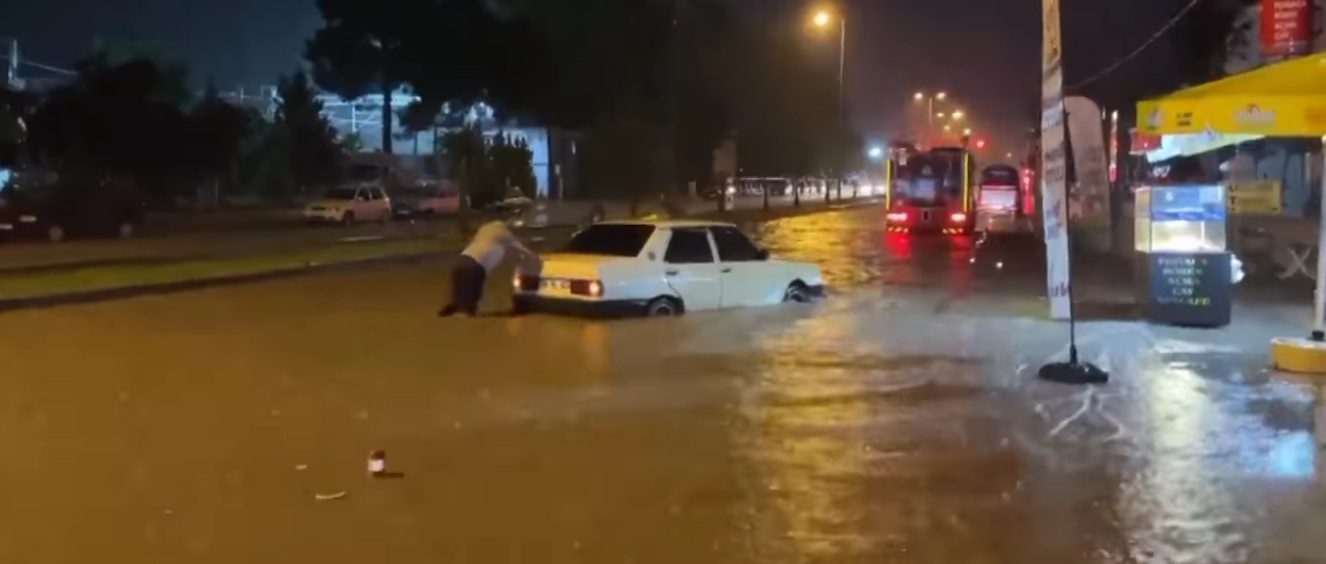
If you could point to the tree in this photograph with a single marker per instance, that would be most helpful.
(117, 121)
(311, 145)
(510, 167)
(1204, 37)
(15, 107)
(219, 130)
(371, 45)
(789, 125)
(627, 157)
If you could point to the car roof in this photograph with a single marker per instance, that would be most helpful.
(668, 223)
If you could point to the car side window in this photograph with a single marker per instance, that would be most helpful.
(689, 246)
(734, 246)
(361, 195)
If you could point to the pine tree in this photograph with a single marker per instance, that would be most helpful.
(313, 150)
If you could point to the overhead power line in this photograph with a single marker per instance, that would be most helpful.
(1138, 51)
(41, 66)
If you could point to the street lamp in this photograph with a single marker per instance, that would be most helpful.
(966, 131)
(876, 153)
(958, 114)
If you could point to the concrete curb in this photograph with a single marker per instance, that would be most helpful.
(120, 292)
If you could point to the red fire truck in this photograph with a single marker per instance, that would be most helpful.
(930, 191)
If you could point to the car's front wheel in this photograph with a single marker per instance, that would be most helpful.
(348, 219)
(54, 233)
(796, 294)
(663, 307)
(125, 230)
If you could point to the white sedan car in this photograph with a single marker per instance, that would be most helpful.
(659, 268)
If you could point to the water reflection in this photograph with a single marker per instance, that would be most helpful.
(854, 250)
(805, 413)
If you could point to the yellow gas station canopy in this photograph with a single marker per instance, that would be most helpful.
(1282, 100)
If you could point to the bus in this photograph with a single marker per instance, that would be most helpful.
(1001, 202)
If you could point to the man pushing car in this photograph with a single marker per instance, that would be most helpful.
(484, 253)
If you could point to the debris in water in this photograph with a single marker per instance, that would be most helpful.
(301, 467)
(377, 463)
(330, 496)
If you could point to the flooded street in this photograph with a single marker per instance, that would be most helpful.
(898, 420)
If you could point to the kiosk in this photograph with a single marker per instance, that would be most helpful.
(1182, 256)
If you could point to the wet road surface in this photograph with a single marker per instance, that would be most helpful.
(896, 421)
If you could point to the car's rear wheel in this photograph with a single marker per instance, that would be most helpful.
(125, 230)
(663, 307)
(797, 293)
(55, 233)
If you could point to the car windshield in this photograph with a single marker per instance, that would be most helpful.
(1003, 175)
(611, 240)
(929, 179)
(339, 194)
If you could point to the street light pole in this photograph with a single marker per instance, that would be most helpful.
(842, 105)
(929, 120)
(842, 69)
(822, 20)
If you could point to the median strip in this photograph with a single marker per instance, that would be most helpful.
(103, 282)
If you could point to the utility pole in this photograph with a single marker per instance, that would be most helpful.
(12, 75)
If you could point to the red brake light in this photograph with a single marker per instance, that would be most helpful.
(591, 288)
(528, 283)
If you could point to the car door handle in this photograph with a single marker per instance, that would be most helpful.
(726, 271)
(671, 272)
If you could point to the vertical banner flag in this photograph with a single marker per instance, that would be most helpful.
(1054, 174)
(1114, 146)
(1091, 195)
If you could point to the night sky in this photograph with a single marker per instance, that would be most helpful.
(985, 53)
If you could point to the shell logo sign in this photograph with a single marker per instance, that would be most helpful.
(1255, 116)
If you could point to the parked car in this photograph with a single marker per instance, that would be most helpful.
(69, 208)
(348, 205)
(425, 199)
(659, 268)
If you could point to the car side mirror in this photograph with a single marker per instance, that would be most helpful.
(762, 255)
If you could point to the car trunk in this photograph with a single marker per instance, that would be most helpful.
(574, 266)
(569, 275)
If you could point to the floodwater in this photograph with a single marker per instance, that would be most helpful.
(898, 420)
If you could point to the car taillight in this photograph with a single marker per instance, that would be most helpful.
(590, 288)
(526, 283)
(896, 217)
(958, 217)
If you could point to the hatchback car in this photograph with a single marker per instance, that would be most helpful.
(349, 205)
